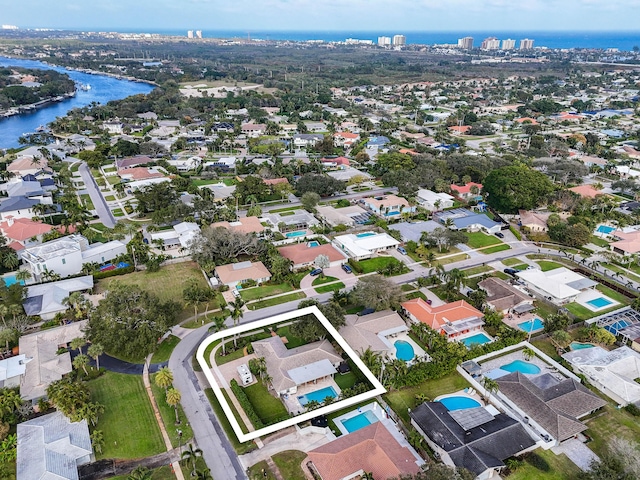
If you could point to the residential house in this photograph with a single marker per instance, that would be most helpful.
(559, 285)
(52, 447)
(17, 207)
(451, 319)
(371, 331)
(389, 206)
(234, 274)
(463, 219)
(303, 255)
(372, 449)
(534, 221)
(503, 297)
(186, 164)
(477, 439)
(25, 165)
(113, 127)
(17, 187)
(586, 191)
(434, 201)
(378, 142)
(468, 192)
(335, 163)
(134, 174)
(349, 216)
(180, 236)
(300, 220)
(45, 365)
(460, 130)
(47, 299)
(12, 370)
(291, 368)
(627, 242)
(23, 232)
(253, 130)
(549, 404)
(613, 372)
(137, 161)
(307, 139)
(242, 225)
(345, 139)
(364, 245)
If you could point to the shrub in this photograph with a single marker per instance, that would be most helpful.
(113, 273)
(355, 265)
(633, 410)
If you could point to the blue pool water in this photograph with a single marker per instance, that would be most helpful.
(10, 280)
(359, 421)
(478, 338)
(404, 350)
(522, 367)
(605, 229)
(313, 244)
(365, 234)
(459, 403)
(599, 302)
(299, 233)
(580, 346)
(390, 214)
(317, 395)
(532, 325)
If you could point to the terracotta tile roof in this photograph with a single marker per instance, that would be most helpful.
(139, 173)
(462, 189)
(347, 135)
(586, 191)
(22, 229)
(462, 129)
(371, 449)
(275, 181)
(532, 121)
(337, 160)
(436, 317)
(301, 253)
(238, 272)
(26, 163)
(244, 225)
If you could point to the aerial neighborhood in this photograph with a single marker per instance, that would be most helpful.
(401, 275)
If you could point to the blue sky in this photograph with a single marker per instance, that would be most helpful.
(314, 15)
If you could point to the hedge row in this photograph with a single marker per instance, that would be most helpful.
(246, 405)
(355, 265)
(113, 273)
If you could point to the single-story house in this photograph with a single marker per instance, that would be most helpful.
(52, 447)
(27, 164)
(234, 274)
(559, 285)
(346, 173)
(290, 368)
(556, 406)
(45, 299)
(300, 220)
(371, 331)
(388, 206)
(534, 221)
(364, 245)
(586, 191)
(335, 162)
(613, 372)
(478, 439)
(253, 130)
(181, 235)
(414, 230)
(628, 243)
(451, 319)
(464, 191)
(377, 452)
(434, 201)
(349, 216)
(463, 219)
(242, 225)
(44, 365)
(303, 255)
(503, 297)
(130, 162)
(12, 370)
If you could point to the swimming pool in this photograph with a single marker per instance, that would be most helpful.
(404, 350)
(599, 302)
(605, 229)
(531, 325)
(11, 279)
(317, 395)
(580, 346)
(522, 367)
(299, 233)
(361, 420)
(365, 234)
(477, 339)
(313, 244)
(391, 214)
(459, 402)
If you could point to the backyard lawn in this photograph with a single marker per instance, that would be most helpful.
(545, 465)
(128, 424)
(168, 415)
(264, 291)
(289, 463)
(608, 423)
(346, 380)
(163, 351)
(269, 408)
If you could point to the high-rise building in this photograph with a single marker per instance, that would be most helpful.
(508, 44)
(399, 40)
(526, 44)
(490, 43)
(466, 43)
(198, 33)
(189, 33)
(384, 41)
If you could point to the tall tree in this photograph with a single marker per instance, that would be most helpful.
(164, 378)
(173, 399)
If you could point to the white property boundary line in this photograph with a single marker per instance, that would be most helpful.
(378, 389)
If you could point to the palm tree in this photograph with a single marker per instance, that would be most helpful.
(23, 275)
(173, 399)
(192, 454)
(77, 344)
(236, 315)
(164, 378)
(490, 386)
(81, 360)
(218, 325)
(94, 351)
(204, 474)
(528, 354)
(140, 473)
(97, 440)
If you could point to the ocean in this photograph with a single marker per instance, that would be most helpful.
(624, 41)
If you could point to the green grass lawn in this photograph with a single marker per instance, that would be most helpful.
(401, 400)
(128, 424)
(545, 466)
(163, 351)
(113, 179)
(240, 448)
(269, 408)
(86, 201)
(477, 270)
(264, 291)
(168, 415)
(320, 280)
(616, 269)
(601, 242)
(480, 239)
(162, 473)
(292, 340)
(257, 471)
(374, 264)
(445, 259)
(417, 294)
(583, 313)
(117, 212)
(330, 288)
(285, 209)
(546, 265)
(511, 262)
(618, 297)
(609, 423)
(110, 198)
(521, 266)
(270, 302)
(289, 463)
(497, 248)
(346, 380)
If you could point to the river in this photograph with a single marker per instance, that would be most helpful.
(103, 89)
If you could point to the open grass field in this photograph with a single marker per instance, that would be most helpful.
(163, 351)
(128, 424)
(608, 423)
(270, 302)
(289, 463)
(256, 293)
(267, 407)
(168, 415)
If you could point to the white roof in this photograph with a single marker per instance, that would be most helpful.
(559, 283)
(48, 297)
(98, 248)
(12, 367)
(312, 371)
(360, 246)
(432, 197)
(54, 248)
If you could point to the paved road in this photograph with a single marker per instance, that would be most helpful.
(217, 451)
(106, 217)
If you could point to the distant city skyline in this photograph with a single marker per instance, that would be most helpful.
(329, 15)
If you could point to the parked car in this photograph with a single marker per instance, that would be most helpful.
(316, 271)
(346, 268)
(499, 234)
(511, 271)
(235, 292)
(402, 250)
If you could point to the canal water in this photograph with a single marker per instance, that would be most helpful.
(103, 89)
